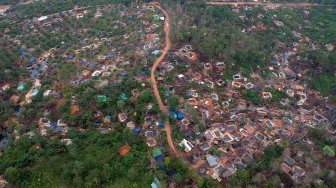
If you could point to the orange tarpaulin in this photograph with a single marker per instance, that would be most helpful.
(74, 109)
(124, 150)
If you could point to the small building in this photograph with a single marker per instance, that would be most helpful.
(288, 160)
(219, 169)
(157, 154)
(155, 183)
(130, 125)
(42, 18)
(205, 146)
(151, 142)
(159, 124)
(186, 145)
(266, 95)
(155, 52)
(179, 115)
(212, 160)
(21, 87)
(122, 117)
(60, 123)
(298, 171)
(228, 138)
(285, 168)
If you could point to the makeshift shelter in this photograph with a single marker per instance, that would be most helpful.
(124, 150)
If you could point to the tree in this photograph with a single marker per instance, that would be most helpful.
(207, 183)
(252, 96)
(146, 96)
(273, 182)
(242, 177)
(167, 161)
(120, 104)
(173, 101)
(12, 175)
(177, 178)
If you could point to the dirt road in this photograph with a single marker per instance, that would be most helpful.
(153, 80)
(268, 4)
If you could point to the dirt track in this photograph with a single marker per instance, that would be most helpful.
(154, 83)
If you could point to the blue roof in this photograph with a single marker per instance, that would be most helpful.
(179, 115)
(24, 54)
(71, 56)
(93, 64)
(155, 52)
(187, 134)
(256, 88)
(155, 183)
(109, 116)
(53, 124)
(159, 123)
(32, 59)
(35, 92)
(170, 110)
(211, 160)
(123, 74)
(136, 129)
(34, 73)
(110, 55)
(163, 168)
(158, 158)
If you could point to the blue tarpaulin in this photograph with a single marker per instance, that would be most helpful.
(109, 55)
(123, 74)
(71, 57)
(256, 88)
(159, 123)
(32, 59)
(158, 158)
(53, 124)
(179, 115)
(155, 52)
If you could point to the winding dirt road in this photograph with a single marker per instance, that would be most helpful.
(153, 80)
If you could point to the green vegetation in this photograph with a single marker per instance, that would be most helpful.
(276, 95)
(91, 161)
(324, 82)
(329, 151)
(252, 96)
(216, 32)
(40, 8)
(318, 135)
(173, 101)
(247, 176)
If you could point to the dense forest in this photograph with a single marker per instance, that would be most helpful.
(91, 161)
